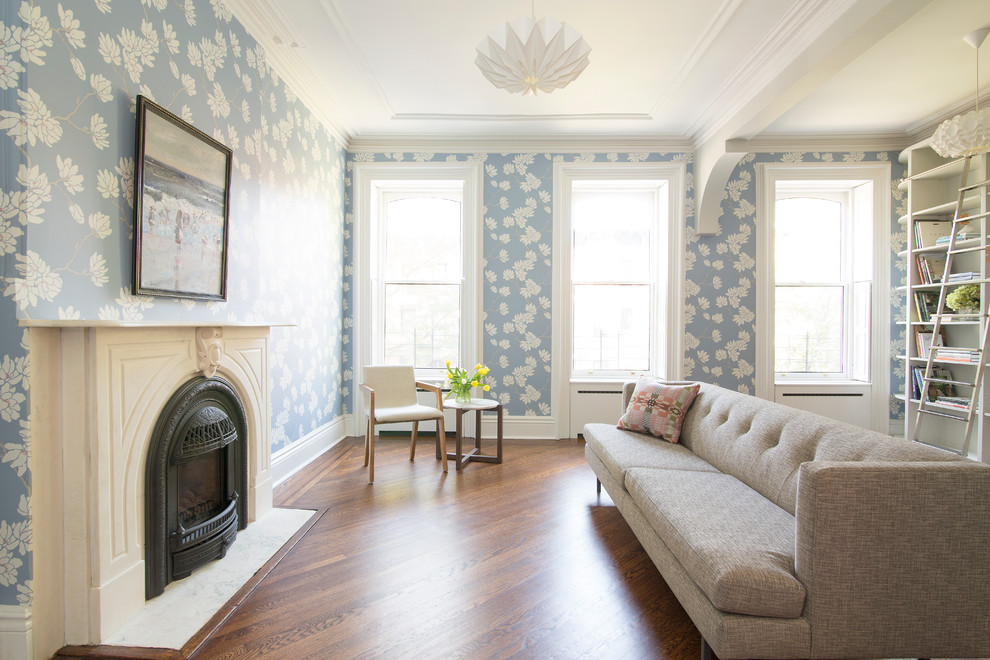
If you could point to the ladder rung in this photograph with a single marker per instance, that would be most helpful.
(973, 186)
(931, 444)
(947, 381)
(975, 216)
(975, 248)
(936, 413)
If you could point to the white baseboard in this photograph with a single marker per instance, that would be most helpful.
(286, 462)
(16, 642)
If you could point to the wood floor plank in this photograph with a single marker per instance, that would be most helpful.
(515, 560)
(518, 560)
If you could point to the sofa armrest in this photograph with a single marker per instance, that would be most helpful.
(895, 556)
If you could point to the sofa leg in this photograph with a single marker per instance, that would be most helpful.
(706, 651)
(598, 486)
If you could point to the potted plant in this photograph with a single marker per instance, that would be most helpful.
(964, 299)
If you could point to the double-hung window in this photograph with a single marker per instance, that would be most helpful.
(617, 248)
(416, 261)
(823, 271)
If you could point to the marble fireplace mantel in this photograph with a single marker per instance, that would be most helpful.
(97, 391)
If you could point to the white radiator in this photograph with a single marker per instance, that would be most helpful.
(594, 402)
(846, 403)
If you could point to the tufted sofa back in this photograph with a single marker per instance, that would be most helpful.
(763, 443)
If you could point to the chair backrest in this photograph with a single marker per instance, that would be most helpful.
(393, 385)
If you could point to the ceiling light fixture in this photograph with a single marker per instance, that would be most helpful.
(966, 134)
(530, 55)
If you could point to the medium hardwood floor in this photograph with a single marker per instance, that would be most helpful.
(518, 560)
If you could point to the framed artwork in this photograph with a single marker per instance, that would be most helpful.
(181, 208)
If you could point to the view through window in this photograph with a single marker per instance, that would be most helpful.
(823, 279)
(615, 248)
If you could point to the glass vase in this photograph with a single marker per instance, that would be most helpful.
(463, 395)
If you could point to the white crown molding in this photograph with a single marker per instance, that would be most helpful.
(804, 22)
(263, 21)
(821, 142)
(601, 116)
(357, 54)
(519, 143)
(924, 127)
(709, 35)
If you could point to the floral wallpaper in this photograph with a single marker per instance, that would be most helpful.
(517, 263)
(69, 75)
(720, 270)
(720, 298)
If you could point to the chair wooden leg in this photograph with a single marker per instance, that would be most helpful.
(442, 439)
(371, 452)
(412, 447)
(367, 434)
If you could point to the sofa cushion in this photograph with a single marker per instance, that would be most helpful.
(658, 408)
(737, 545)
(764, 443)
(620, 450)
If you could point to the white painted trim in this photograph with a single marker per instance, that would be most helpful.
(472, 173)
(675, 174)
(879, 173)
(289, 460)
(16, 635)
(399, 143)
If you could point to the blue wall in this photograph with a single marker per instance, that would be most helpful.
(66, 206)
(67, 130)
(720, 269)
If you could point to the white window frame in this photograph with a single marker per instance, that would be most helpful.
(366, 180)
(669, 297)
(837, 191)
(655, 279)
(767, 176)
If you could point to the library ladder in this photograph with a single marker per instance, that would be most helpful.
(927, 407)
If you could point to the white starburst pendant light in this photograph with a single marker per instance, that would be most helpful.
(529, 55)
(969, 133)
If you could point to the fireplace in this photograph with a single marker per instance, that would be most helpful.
(195, 481)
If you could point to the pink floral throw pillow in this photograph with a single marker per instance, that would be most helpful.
(658, 409)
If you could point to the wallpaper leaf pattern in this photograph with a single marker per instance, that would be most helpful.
(69, 74)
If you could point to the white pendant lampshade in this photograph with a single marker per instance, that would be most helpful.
(530, 55)
(969, 133)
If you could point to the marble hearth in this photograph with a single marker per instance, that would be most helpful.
(97, 392)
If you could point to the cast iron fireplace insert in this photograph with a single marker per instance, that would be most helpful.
(195, 481)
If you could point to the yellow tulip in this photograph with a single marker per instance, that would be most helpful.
(448, 363)
(474, 383)
(487, 388)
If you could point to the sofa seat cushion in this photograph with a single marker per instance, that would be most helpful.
(620, 450)
(737, 545)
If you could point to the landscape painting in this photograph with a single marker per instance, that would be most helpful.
(182, 179)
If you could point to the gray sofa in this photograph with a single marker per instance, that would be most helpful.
(785, 534)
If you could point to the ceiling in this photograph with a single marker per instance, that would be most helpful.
(661, 72)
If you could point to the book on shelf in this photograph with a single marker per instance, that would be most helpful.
(930, 269)
(926, 304)
(954, 354)
(963, 233)
(956, 402)
(935, 389)
(925, 339)
(927, 232)
(962, 277)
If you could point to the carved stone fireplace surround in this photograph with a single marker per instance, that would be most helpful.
(97, 391)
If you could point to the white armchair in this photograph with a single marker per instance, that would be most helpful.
(390, 397)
